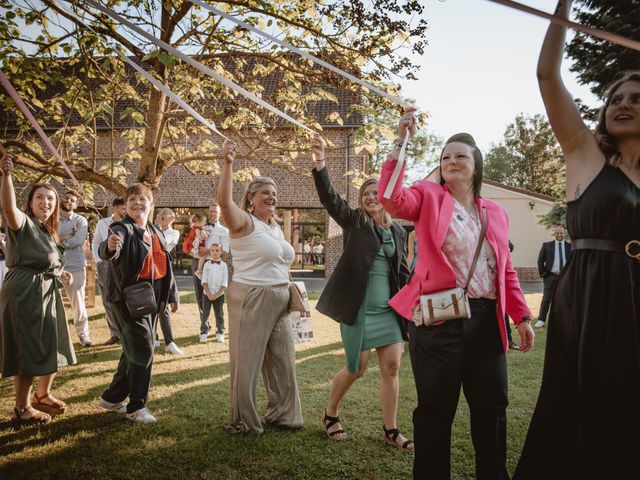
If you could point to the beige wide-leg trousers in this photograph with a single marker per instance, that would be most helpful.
(260, 336)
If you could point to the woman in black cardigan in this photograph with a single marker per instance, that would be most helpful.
(137, 252)
(370, 271)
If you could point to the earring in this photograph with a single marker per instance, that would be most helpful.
(251, 207)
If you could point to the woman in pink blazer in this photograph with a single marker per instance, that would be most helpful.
(467, 353)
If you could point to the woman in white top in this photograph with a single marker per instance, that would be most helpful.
(258, 296)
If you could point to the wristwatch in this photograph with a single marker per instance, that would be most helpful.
(526, 319)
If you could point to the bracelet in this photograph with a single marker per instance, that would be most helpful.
(398, 143)
(526, 319)
(320, 160)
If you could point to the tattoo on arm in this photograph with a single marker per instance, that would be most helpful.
(578, 192)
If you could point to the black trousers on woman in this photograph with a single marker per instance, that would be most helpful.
(133, 375)
(460, 353)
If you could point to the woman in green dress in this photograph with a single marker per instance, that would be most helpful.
(34, 335)
(370, 271)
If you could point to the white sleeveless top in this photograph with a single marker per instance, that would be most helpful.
(262, 257)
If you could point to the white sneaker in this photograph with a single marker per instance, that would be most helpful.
(220, 337)
(118, 407)
(142, 416)
(539, 324)
(173, 348)
(156, 344)
(203, 338)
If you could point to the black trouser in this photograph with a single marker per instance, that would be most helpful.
(164, 319)
(203, 307)
(465, 353)
(133, 374)
(549, 282)
(217, 311)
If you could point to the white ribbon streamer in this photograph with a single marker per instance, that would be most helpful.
(204, 69)
(45, 139)
(398, 168)
(155, 82)
(306, 55)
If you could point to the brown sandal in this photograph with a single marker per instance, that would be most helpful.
(56, 407)
(391, 437)
(36, 418)
(328, 422)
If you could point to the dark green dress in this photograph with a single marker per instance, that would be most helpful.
(33, 326)
(376, 324)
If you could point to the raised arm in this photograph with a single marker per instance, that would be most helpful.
(237, 220)
(13, 215)
(403, 203)
(578, 143)
(334, 204)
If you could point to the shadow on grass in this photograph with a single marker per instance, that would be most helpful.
(189, 442)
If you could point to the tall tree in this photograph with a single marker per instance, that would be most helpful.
(528, 157)
(598, 62)
(47, 54)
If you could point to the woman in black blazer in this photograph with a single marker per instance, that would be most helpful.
(370, 271)
(137, 252)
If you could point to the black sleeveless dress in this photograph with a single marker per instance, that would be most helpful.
(586, 423)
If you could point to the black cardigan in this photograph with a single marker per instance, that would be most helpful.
(345, 290)
(124, 270)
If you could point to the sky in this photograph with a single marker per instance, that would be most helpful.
(479, 70)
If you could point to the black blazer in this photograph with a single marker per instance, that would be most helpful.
(547, 255)
(345, 290)
(124, 270)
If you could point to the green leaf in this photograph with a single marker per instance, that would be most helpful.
(137, 116)
(166, 59)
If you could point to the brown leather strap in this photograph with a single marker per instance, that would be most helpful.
(483, 231)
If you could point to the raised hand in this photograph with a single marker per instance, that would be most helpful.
(229, 151)
(6, 164)
(317, 148)
(407, 122)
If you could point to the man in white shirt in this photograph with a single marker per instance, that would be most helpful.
(72, 230)
(118, 210)
(551, 261)
(217, 234)
(166, 218)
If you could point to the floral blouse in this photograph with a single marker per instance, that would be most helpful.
(460, 246)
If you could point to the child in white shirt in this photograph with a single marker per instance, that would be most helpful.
(215, 278)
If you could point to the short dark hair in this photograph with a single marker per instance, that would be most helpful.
(477, 157)
(71, 192)
(138, 189)
(117, 201)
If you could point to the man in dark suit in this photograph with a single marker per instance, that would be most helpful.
(552, 259)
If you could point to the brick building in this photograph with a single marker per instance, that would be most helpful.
(186, 192)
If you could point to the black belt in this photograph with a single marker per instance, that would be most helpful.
(631, 248)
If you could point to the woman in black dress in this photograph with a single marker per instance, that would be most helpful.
(587, 413)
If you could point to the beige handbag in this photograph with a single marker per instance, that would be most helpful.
(298, 299)
(452, 303)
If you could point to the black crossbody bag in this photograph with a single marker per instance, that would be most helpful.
(140, 298)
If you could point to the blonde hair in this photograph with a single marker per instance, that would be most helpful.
(252, 188)
(385, 219)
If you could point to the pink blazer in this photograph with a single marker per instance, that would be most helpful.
(430, 206)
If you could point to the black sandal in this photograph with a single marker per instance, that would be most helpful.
(328, 422)
(391, 435)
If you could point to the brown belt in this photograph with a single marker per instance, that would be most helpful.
(631, 248)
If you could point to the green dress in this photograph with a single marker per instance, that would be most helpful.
(376, 323)
(33, 326)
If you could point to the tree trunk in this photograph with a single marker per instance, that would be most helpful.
(149, 174)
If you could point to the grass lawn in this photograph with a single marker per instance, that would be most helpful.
(190, 396)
